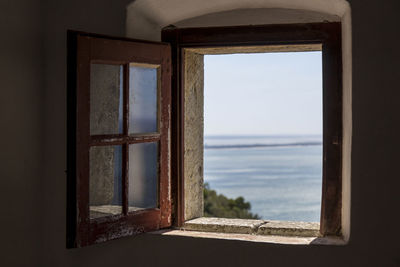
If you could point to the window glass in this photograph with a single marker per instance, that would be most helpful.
(143, 176)
(105, 184)
(143, 107)
(106, 83)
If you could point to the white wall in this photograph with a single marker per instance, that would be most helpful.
(145, 18)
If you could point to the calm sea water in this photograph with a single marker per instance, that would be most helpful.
(281, 176)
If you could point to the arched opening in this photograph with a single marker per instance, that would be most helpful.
(145, 20)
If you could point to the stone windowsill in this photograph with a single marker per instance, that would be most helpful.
(280, 232)
(257, 227)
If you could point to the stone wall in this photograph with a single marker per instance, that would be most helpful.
(194, 125)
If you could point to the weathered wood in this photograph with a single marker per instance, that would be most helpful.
(125, 148)
(116, 226)
(255, 49)
(82, 140)
(331, 206)
(101, 140)
(85, 50)
(177, 126)
(164, 125)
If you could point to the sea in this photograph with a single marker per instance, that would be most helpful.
(280, 175)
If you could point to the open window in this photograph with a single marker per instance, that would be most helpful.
(189, 45)
(128, 126)
(118, 138)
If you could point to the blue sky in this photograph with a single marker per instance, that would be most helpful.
(263, 94)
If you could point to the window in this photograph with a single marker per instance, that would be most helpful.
(190, 43)
(129, 134)
(263, 134)
(118, 138)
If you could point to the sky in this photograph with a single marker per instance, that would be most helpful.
(263, 94)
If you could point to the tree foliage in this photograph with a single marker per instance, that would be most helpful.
(218, 205)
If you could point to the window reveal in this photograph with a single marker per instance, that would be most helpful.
(246, 38)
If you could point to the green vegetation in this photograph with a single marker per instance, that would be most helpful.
(218, 205)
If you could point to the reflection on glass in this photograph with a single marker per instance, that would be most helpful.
(143, 85)
(143, 176)
(105, 185)
(106, 83)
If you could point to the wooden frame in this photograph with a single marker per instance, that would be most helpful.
(327, 34)
(83, 50)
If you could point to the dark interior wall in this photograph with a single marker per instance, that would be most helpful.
(33, 133)
(376, 130)
(21, 129)
(99, 16)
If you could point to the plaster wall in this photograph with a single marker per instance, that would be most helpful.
(257, 16)
(33, 225)
(146, 18)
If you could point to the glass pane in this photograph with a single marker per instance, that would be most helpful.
(143, 84)
(105, 185)
(106, 82)
(143, 176)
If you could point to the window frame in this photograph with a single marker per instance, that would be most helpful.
(329, 35)
(85, 49)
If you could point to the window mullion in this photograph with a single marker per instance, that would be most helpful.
(125, 150)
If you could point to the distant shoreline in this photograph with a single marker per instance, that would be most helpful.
(262, 145)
